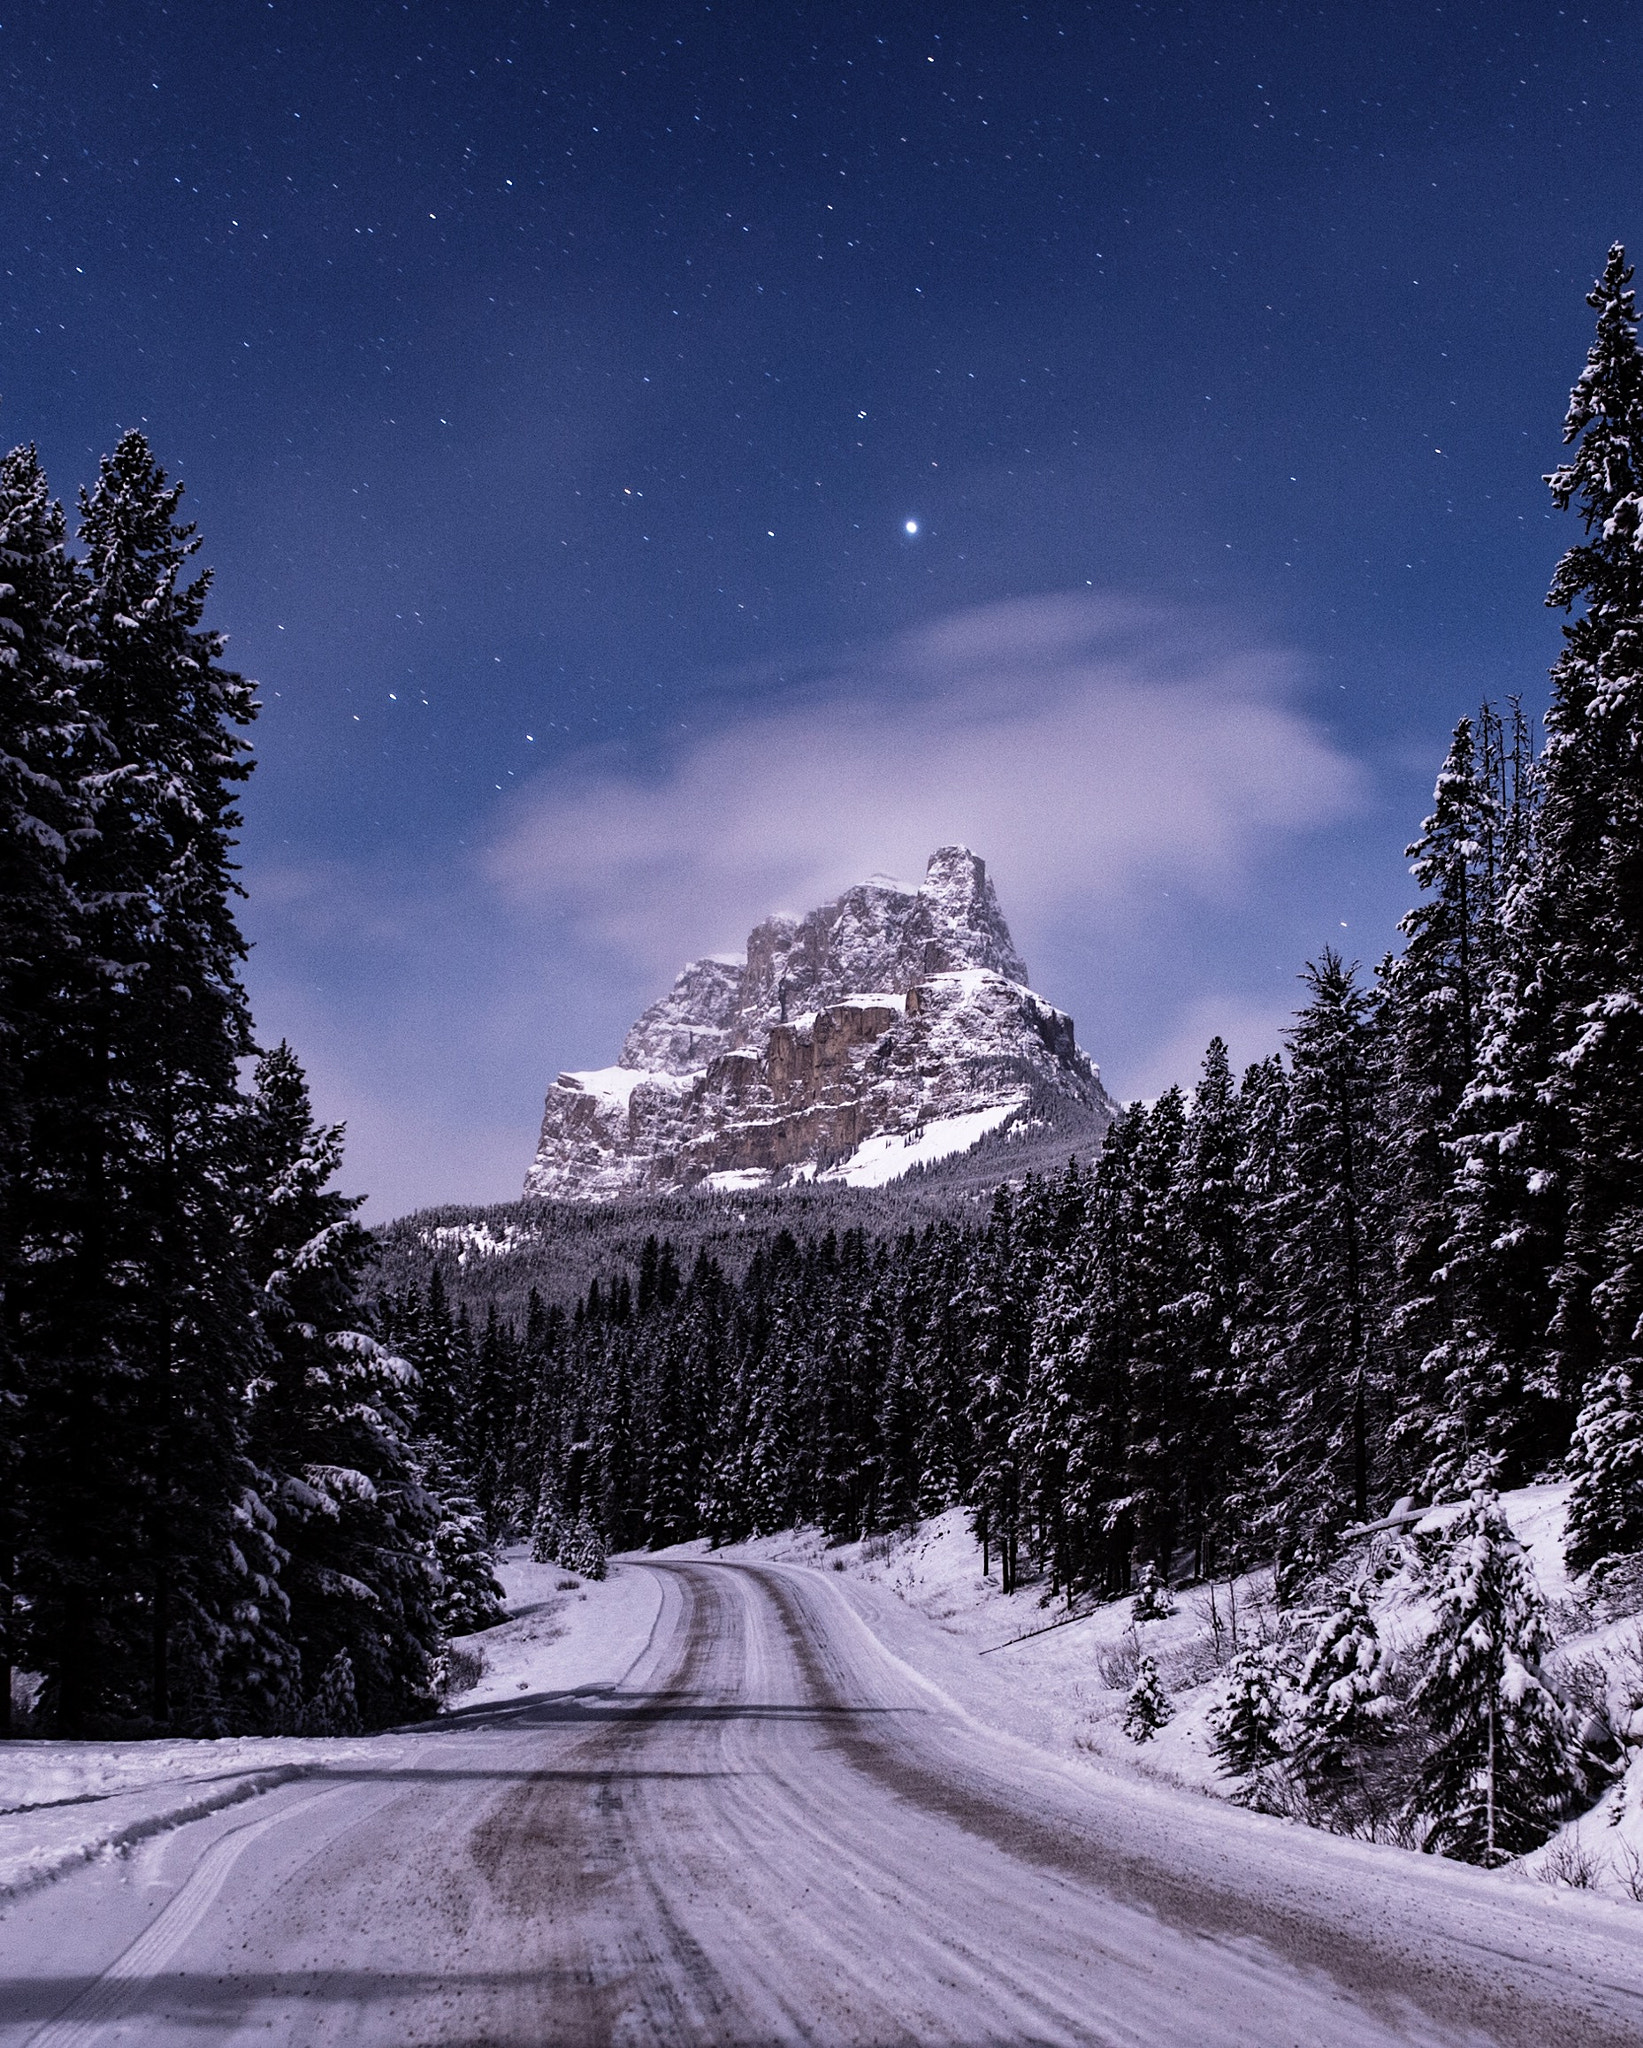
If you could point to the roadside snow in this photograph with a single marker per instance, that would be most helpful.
(1028, 1670)
(63, 1803)
(563, 1632)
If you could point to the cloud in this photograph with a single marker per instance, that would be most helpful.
(1093, 750)
(1158, 805)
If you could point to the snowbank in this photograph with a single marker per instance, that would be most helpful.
(63, 1803)
(563, 1632)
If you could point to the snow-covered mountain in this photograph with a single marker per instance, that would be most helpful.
(884, 1030)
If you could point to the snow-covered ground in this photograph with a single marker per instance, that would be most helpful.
(562, 1631)
(63, 1803)
(1062, 1683)
(711, 1802)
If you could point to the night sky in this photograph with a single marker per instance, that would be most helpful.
(663, 463)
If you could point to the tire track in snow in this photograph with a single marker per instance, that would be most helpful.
(1384, 1977)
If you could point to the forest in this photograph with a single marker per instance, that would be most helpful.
(250, 1483)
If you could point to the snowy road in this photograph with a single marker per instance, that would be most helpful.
(771, 1831)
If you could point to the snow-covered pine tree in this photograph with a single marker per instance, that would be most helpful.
(44, 749)
(1431, 1005)
(443, 1362)
(582, 1549)
(1153, 1600)
(330, 1417)
(1249, 1718)
(333, 1708)
(689, 1364)
(470, 1596)
(1341, 1707)
(1503, 1763)
(1000, 1326)
(548, 1522)
(1248, 1514)
(1550, 1192)
(1086, 1335)
(1326, 1350)
(901, 1404)
(144, 1316)
(1585, 902)
(1605, 1518)
(1049, 1435)
(1163, 1423)
(1148, 1707)
(1202, 1323)
(943, 1449)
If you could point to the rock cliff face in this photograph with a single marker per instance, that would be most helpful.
(884, 1030)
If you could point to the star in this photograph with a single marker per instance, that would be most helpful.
(909, 527)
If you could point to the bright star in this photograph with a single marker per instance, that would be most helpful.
(910, 526)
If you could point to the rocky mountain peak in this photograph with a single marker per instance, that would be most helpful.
(889, 1018)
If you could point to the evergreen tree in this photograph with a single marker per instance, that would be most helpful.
(1248, 1721)
(1432, 999)
(1247, 1520)
(334, 1707)
(45, 747)
(1326, 1354)
(1148, 1707)
(1153, 1600)
(1503, 1763)
(1585, 904)
(1605, 1518)
(994, 1307)
(1341, 1706)
(329, 1418)
(470, 1596)
(144, 1331)
(1551, 1185)
(1202, 1324)
(582, 1549)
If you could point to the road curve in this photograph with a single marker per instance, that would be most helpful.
(772, 1831)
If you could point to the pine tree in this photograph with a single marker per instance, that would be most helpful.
(1551, 1186)
(1211, 1227)
(330, 1416)
(334, 1707)
(1432, 1001)
(1163, 1419)
(1248, 1518)
(1326, 1352)
(143, 1319)
(1148, 1707)
(1248, 1721)
(1341, 1706)
(1605, 1518)
(582, 1549)
(1586, 903)
(45, 746)
(1503, 1763)
(1153, 1600)
(470, 1596)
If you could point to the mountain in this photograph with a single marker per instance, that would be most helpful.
(880, 1032)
